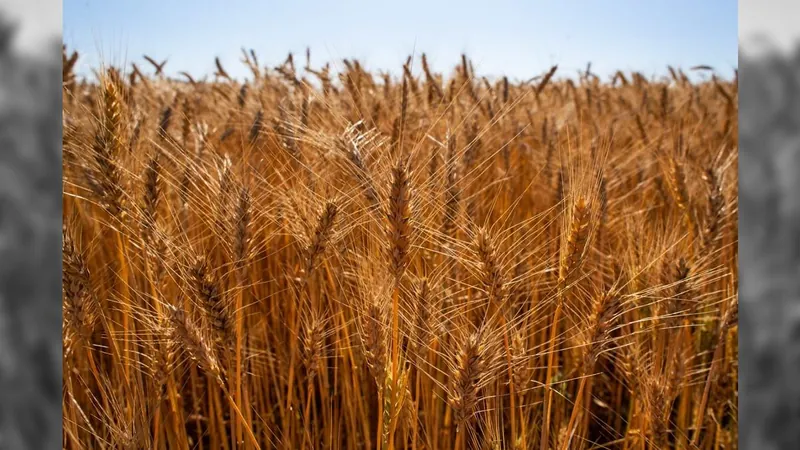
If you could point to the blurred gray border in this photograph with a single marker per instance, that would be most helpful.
(30, 225)
(769, 224)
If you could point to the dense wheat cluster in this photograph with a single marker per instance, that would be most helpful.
(354, 260)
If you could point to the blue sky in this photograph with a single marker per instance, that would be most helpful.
(520, 38)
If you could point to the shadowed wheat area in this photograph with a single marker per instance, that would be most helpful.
(357, 261)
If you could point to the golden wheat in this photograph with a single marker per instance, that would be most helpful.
(439, 261)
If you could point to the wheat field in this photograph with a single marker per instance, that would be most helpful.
(328, 257)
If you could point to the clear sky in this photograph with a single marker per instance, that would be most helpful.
(520, 38)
